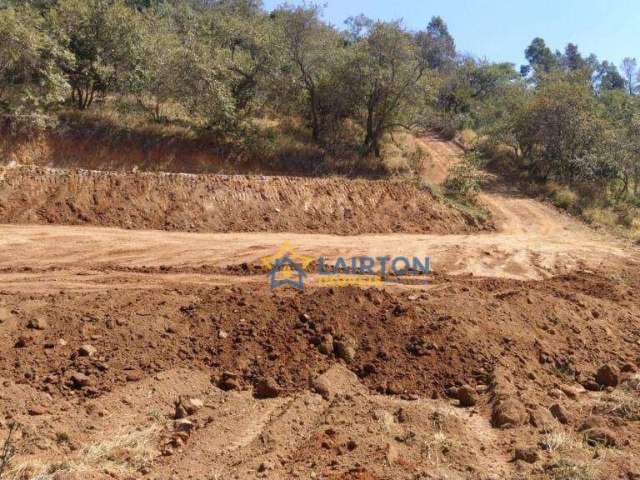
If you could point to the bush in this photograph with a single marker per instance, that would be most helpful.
(562, 196)
(626, 215)
(599, 216)
(467, 138)
(464, 182)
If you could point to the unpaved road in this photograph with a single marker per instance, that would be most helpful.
(533, 241)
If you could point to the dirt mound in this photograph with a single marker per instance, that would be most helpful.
(215, 203)
(84, 367)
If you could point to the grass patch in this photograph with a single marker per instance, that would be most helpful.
(125, 453)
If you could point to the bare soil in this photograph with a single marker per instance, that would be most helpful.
(103, 330)
(219, 203)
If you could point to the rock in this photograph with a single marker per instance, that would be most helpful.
(529, 455)
(79, 380)
(337, 381)
(570, 392)
(593, 422)
(608, 376)
(36, 411)
(38, 324)
(192, 405)
(482, 388)
(183, 425)
(508, 413)
(134, 376)
(345, 348)
(600, 436)
(591, 385)
(559, 413)
(266, 388)
(22, 341)
(222, 335)
(87, 350)
(186, 406)
(229, 381)
(542, 419)
(326, 344)
(467, 396)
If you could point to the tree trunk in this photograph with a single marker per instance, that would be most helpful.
(315, 123)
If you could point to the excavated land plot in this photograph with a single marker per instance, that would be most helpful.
(94, 376)
(158, 355)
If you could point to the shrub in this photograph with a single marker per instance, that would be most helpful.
(562, 196)
(599, 216)
(467, 138)
(626, 215)
(464, 182)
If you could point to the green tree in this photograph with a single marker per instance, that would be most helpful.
(106, 40)
(29, 77)
(249, 47)
(608, 77)
(437, 44)
(558, 127)
(540, 57)
(310, 47)
(383, 74)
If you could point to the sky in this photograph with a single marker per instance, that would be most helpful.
(500, 30)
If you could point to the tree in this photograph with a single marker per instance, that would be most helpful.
(106, 41)
(249, 46)
(558, 127)
(437, 44)
(29, 76)
(309, 48)
(540, 57)
(382, 74)
(608, 77)
(629, 69)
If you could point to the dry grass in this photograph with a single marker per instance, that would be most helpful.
(403, 154)
(623, 402)
(562, 196)
(568, 470)
(599, 216)
(558, 442)
(125, 454)
(467, 138)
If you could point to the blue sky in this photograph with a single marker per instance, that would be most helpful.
(500, 30)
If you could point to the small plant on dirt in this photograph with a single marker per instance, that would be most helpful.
(556, 442)
(437, 448)
(623, 403)
(567, 470)
(62, 437)
(8, 449)
(464, 181)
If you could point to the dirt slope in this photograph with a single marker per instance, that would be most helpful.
(219, 203)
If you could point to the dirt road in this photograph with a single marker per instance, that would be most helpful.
(533, 241)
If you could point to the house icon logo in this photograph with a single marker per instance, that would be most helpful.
(287, 268)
